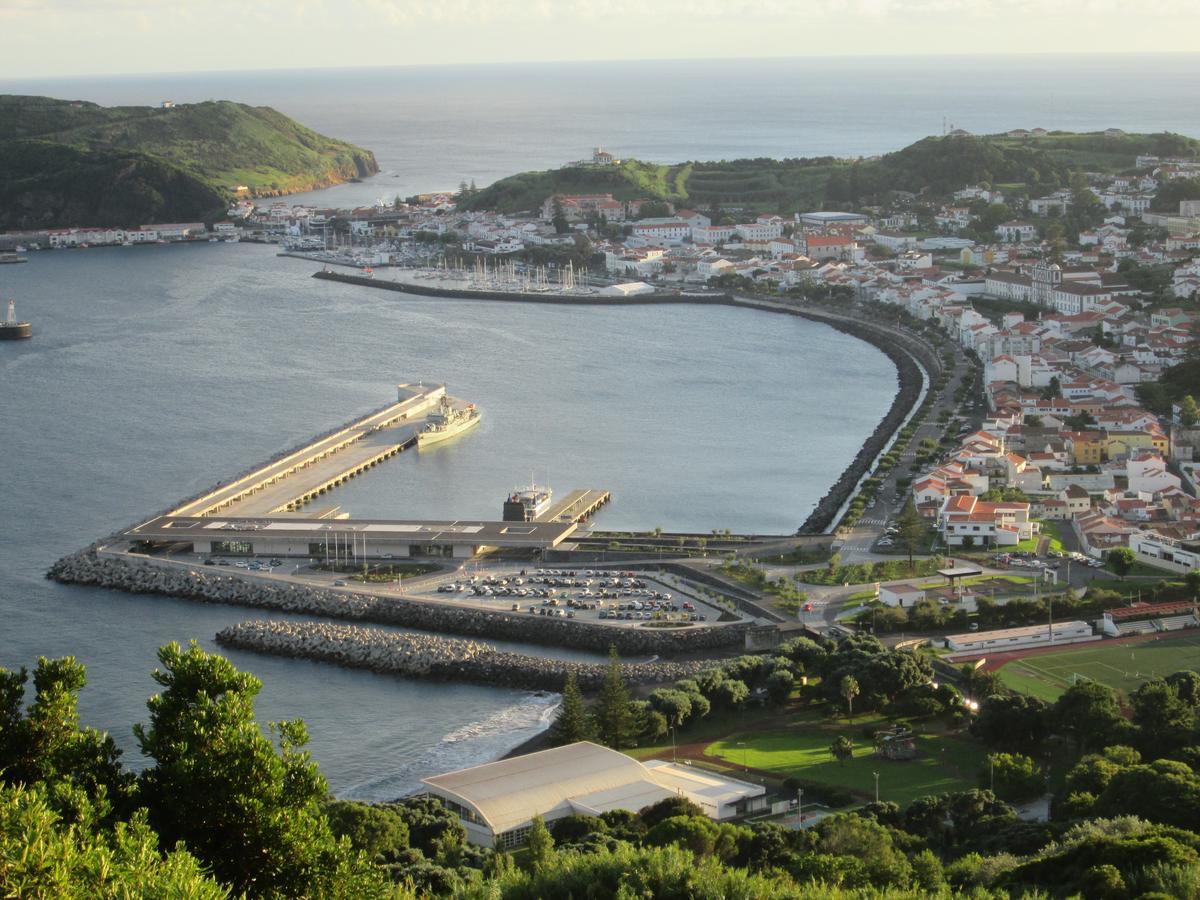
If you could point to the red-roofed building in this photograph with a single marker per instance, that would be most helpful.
(968, 521)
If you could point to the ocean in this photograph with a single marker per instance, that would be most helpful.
(433, 127)
(156, 371)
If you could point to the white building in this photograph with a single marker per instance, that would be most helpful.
(497, 802)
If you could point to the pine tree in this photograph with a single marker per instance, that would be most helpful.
(615, 721)
(541, 844)
(572, 722)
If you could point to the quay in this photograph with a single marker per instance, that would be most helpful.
(286, 484)
(576, 506)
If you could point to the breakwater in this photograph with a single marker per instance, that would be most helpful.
(132, 575)
(430, 291)
(431, 656)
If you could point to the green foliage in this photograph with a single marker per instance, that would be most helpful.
(842, 748)
(68, 163)
(541, 845)
(373, 829)
(43, 856)
(1012, 776)
(44, 743)
(1119, 561)
(1016, 721)
(614, 715)
(572, 722)
(249, 810)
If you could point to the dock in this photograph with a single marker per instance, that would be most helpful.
(576, 506)
(287, 483)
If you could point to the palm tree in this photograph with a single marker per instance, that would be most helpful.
(849, 689)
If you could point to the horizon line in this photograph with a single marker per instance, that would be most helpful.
(615, 61)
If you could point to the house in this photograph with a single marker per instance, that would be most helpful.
(966, 521)
(497, 802)
(900, 595)
(832, 246)
(1016, 231)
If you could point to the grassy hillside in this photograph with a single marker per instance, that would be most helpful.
(191, 156)
(937, 164)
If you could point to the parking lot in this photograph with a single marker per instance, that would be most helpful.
(620, 598)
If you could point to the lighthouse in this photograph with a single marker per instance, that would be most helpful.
(10, 328)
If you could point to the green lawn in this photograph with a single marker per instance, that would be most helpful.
(943, 764)
(1120, 666)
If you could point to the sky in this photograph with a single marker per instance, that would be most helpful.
(40, 38)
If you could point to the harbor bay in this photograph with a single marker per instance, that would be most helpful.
(694, 418)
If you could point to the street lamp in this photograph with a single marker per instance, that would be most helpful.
(742, 744)
(876, 774)
(800, 806)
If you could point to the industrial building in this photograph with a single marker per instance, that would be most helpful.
(498, 801)
(348, 540)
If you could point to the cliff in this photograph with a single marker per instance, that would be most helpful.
(74, 163)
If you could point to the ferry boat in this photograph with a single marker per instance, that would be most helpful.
(10, 259)
(447, 422)
(526, 504)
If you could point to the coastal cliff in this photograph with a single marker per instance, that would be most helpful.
(70, 163)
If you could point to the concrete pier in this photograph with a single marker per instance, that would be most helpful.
(576, 506)
(287, 483)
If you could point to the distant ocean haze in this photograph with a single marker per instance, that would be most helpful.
(434, 127)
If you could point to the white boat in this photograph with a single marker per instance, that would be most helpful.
(447, 422)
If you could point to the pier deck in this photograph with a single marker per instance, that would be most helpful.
(309, 471)
(576, 506)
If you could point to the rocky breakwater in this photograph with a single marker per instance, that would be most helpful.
(430, 656)
(132, 574)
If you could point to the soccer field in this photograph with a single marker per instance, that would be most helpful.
(1120, 666)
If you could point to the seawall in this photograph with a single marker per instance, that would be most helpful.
(89, 569)
(433, 657)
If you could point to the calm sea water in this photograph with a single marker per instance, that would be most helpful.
(157, 371)
(435, 126)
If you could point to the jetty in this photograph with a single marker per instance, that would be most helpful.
(576, 507)
(286, 484)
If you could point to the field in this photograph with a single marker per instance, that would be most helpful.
(944, 763)
(1120, 666)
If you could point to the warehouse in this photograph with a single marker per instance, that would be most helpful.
(497, 802)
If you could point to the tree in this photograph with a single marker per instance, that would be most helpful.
(1166, 720)
(667, 808)
(45, 744)
(248, 810)
(1017, 721)
(615, 723)
(42, 856)
(1012, 776)
(541, 845)
(1192, 580)
(1120, 560)
(910, 534)
(1088, 712)
(369, 828)
(842, 748)
(1188, 413)
(559, 217)
(572, 723)
(849, 689)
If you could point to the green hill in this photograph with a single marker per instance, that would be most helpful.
(935, 165)
(74, 163)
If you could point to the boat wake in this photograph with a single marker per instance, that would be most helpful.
(471, 745)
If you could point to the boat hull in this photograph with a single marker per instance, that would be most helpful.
(426, 438)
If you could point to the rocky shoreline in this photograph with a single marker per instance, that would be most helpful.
(431, 656)
(90, 569)
(908, 353)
